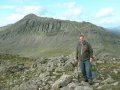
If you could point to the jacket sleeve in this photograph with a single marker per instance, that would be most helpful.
(90, 50)
(77, 52)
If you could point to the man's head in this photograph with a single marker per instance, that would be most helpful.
(82, 38)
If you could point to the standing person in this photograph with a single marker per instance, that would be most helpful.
(84, 55)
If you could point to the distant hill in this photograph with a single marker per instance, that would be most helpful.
(35, 36)
(115, 30)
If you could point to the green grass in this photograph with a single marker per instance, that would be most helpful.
(53, 49)
(6, 76)
(16, 58)
(49, 52)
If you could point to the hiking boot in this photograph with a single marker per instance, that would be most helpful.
(86, 80)
(90, 82)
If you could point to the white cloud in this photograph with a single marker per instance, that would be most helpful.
(107, 21)
(30, 9)
(107, 17)
(104, 12)
(11, 19)
(7, 7)
(69, 11)
(72, 11)
(20, 12)
(14, 17)
(67, 4)
(18, 0)
(69, 14)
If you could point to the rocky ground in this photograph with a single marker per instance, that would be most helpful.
(56, 73)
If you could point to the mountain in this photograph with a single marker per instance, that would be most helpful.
(35, 36)
(115, 30)
(5, 27)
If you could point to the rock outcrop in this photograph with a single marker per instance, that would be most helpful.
(56, 73)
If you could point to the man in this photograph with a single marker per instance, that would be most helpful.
(84, 54)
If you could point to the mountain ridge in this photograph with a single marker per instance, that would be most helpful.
(36, 36)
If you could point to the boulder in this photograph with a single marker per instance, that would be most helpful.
(64, 80)
(69, 67)
(83, 88)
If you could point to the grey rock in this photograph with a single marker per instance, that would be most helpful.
(59, 69)
(69, 67)
(115, 84)
(64, 80)
(83, 88)
(65, 88)
(108, 80)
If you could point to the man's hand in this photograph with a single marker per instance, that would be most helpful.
(75, 62)
(91, 59)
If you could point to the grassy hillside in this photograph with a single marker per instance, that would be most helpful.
(35, 36)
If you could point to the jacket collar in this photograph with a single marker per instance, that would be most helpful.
(83, 42)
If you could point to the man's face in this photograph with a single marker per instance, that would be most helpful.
(81, 39)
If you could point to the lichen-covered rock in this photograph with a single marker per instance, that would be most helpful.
(83, 88)
(62, 81)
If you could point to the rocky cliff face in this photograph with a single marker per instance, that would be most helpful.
(33, 23)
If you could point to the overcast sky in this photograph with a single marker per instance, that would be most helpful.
(100, 12)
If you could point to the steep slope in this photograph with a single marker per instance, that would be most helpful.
(41, 36)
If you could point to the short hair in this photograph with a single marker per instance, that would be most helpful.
(81, 35)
